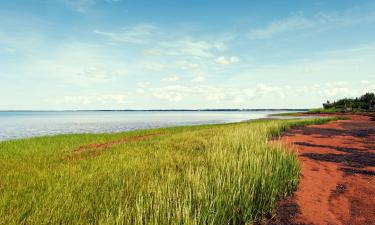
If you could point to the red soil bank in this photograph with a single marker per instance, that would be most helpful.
(337, 183)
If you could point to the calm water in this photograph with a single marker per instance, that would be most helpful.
(29, 124)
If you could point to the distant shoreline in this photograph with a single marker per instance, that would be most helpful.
(24, 124)
(160, 110)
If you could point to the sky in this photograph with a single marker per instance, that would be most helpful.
(184, 54)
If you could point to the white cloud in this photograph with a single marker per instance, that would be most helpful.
(152, 52)
(332, 66)
(170, 96)
(98, 74)
(337, 84)
(238, 100)
(335, 92)
(140, 90)
(261, 95)
(83, 5)
(319, 21)
(295, 22)
(155, 66)
(227, 60)
(21, 37)
(198, 78)
(173, 93)
(75, 100)
(164, 44)
(77, 63)
(79, 5)
(116, 98)
(185, 92)
(94, 100)
(262, 90)
(144, 84)
(187, 47)
(215, 95)
(171, 79)
(186, 65)
(138, 34)
(341, 89)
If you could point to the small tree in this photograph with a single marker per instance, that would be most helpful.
(369, 100)
(327, 105)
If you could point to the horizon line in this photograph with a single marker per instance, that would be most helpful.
(108, 110)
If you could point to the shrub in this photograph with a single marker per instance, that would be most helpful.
(364, 103)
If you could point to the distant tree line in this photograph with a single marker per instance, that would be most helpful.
(364, 103)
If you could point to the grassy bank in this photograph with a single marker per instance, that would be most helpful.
(326, 111)
(287, 114)
(214, 174)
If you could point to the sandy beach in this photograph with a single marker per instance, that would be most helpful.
(337, 173)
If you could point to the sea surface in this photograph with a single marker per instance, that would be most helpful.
(23, 124)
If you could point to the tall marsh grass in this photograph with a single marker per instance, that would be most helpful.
(216, 174)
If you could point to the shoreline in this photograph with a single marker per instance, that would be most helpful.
(141, 126)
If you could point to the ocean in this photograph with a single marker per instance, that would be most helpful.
(23, 124)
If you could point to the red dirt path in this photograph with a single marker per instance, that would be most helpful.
(337, 183)
(95, 149)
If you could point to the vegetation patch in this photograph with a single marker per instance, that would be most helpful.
(212, 174)
(287, 114)
(94, 149)
(365, 103)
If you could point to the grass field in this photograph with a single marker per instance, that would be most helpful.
(334, 111)
(287, 114)
(213, 174)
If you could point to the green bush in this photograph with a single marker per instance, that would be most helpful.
(323, 110)
(364, 103)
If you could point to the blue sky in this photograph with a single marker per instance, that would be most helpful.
(122, 54)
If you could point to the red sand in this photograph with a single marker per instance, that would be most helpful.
(337, 183)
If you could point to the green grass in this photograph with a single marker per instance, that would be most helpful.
(334, 110)
(287, 114)
(322, 110)
(213, 174)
